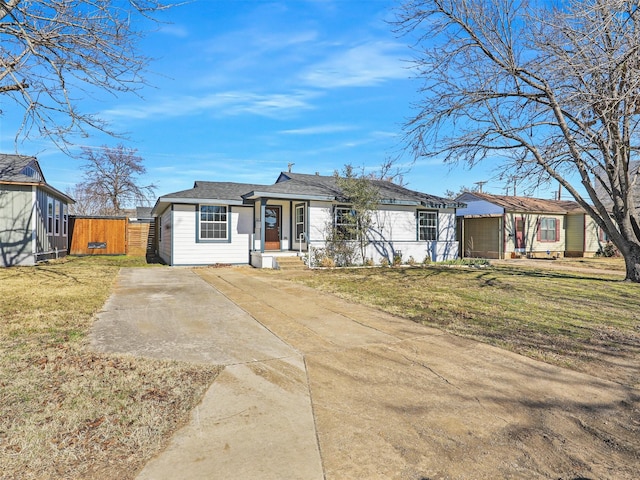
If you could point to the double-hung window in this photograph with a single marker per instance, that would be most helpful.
(50, 216)
(300, 221)
(427, 226)
(345, 222)
(548, 229)
(65, 219)
(213, 222)
(57, 217)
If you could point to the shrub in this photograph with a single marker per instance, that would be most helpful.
(608, 250)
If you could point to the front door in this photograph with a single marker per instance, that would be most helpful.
(272, 228)
(520, 238)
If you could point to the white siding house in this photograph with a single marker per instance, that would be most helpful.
(235, 223)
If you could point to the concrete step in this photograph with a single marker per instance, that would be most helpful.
(290, 263)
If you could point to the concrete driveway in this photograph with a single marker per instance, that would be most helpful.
(318, 388)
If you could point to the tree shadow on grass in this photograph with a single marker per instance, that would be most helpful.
(555, 274)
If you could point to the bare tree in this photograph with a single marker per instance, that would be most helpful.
(87, 201)
(111, 180)
(55, 52)
(549, 89)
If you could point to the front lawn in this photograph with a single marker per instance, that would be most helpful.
(588, 322)
(66, 412)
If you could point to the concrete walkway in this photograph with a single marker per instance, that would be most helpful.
(256, 420)
(318, 388)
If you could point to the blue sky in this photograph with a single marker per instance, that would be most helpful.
(241, 88)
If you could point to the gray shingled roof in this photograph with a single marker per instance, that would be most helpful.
(296, 186)
(26, 170)
(230, 191)
(389, 192)
(13, 167)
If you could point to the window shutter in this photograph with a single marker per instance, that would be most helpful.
(539, 233)
(557, 230)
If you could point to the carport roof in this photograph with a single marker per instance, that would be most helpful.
(525, 204)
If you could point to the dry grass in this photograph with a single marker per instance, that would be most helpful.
(588, 322)
(66, 412)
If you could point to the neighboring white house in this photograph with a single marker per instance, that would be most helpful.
(237, 223)
(34, 216)
(500, 226)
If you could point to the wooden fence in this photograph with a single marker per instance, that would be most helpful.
(138, 239)
(97, 235)
(110, 236)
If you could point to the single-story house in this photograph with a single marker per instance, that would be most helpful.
(499, 226)
(34, 216)
(238, 223)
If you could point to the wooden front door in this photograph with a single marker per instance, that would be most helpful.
(272, 228)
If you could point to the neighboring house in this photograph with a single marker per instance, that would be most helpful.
(237, 223)
(498, 226)
(34, 216)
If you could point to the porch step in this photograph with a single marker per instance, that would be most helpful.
(290, 263)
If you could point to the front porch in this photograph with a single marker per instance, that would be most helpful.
(274, 258)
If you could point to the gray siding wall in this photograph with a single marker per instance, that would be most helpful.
(53, 243)
(24, 234)
(16, 217)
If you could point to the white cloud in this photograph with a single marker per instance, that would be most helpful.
(174, 30)
(363, 65)
(319, 130)
(219, 104)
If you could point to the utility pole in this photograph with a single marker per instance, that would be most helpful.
(480, 184)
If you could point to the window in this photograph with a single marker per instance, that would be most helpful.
(50, 216)
(548, 230)
(213, 222)
(602, 235)
(57, 217)
(345, 222)
(300, 230)
(65, 219)
(427, 226)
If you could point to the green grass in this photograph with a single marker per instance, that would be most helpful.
(66, 412)
(587, 322)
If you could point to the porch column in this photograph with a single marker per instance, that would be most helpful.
(263, 204)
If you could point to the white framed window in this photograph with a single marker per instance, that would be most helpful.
(213, 222)
(427, 226)
(65, 219)
(345, 221)
(300, 222)
(57, 206)
(50, 215)
(548, 230)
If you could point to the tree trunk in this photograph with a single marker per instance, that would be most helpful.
(632, 263)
